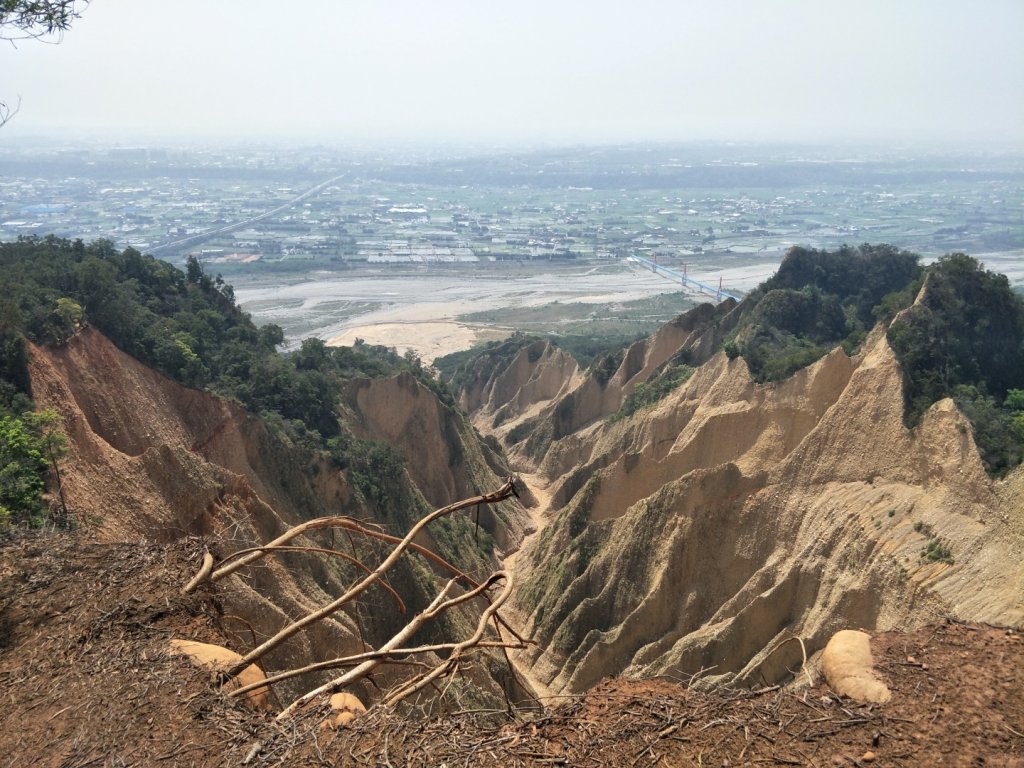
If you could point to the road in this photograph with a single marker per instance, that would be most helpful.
(201, 236)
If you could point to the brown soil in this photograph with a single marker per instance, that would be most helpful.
(85, 681)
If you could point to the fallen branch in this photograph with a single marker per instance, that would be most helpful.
(251, 555)
(323, 550)
(449, 664)
(435, 609)
(203, 575)
(506, 490)
(391, 656)
(803, 650)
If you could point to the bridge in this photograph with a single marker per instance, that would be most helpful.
(684, 279)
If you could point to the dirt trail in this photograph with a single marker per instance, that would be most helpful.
(538, 520)
(538, 517)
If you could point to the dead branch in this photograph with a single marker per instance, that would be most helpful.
(349, 525)
(323, 550)
(203, 575)
(803, 651)
(391, 656)
(386, 653)
(506, 490)
(449, 664)
(436, 608)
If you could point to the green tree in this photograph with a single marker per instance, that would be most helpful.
(819, 299)
(193, 270)
(965, 339)
(271, 336)
(30, 446)
(1014, 403)
(68, 317)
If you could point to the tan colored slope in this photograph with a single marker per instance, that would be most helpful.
(542, 432)
(734, 515)
(507, 391)
(445, 459)
(150, 459)
(125, 414)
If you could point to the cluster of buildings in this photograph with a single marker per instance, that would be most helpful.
(247, 207)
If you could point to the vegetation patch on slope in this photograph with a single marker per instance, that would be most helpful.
(184, 324)
(588, 330)
(819, 299)
(459, 369)
(964, 339)
(674, 374)
(30, 443)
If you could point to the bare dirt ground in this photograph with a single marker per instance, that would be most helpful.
(429, 340)
(539, 519)
(84, 681)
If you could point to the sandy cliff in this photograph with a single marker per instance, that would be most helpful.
(150, 459)
(699, 533)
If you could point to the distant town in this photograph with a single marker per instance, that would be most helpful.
(253, 210)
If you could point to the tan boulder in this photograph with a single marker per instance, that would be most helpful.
(216, 658)
(346, 708)
(850, 669)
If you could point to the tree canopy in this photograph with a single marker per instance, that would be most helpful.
(188, 326)
(21, 19)
(819, 299)
(963, 339)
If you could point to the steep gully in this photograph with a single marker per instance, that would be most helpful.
(152, 460)
(688, 539)
(695, 536)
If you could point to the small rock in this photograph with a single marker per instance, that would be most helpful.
(868, 757)
(839, 760)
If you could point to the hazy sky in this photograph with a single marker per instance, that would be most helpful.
(560, 71)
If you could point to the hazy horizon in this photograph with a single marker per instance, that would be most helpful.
(944, 73)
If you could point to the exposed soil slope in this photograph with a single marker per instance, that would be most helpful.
(85, 680)
(445, 458)
(700, 532)
(540, 396)
(152, 460)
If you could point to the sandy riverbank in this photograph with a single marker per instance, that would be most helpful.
(420, 311)
(429, 340)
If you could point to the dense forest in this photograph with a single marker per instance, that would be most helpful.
(188, 326)
(964, 339)
(818, 300)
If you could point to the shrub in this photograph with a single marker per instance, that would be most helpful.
(29, 447)
(937, 552)
(649, 392)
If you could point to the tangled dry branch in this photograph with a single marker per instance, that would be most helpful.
(359, 666)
